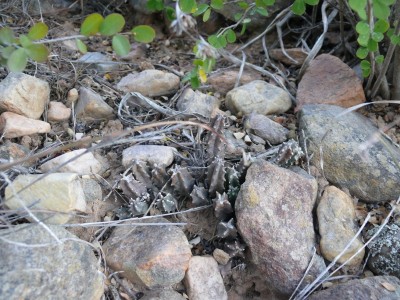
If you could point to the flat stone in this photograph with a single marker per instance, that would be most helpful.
(51, 271)
(150, 256)
(58, 112)
(265, 128)
(98, 61)
(203, 280)
(64, 196)
(377, 287)
(13, 125)
(258, 96)
(297, 54)
(372, 175)
(274, 217)
(24, 95)
(85, 164)
(224, 81)
(153, 154)
(336, 214)
(150, 83)
(329, 81)
(221, 256)
(162, 295)
(91, 106)
(196, 102)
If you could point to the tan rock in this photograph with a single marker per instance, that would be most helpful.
(221, 256)
(196, 102)
(57, 192)
(13, 125)
(91, 106)
(329, 81)
(153, 154)
(24, 94)
(58, 112)
(224, 81)
(297, 54)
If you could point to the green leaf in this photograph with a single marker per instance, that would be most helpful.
(395, 39)
(38, 31)
(362, 52)
(262, 11)
(366, 72)
(25, 41)
(7, 51)
(6, 36)
(217, 4)
(217, 42)
(359, 7)
(379, 59)
(121, 45)
(155, 5)
(298, 7)
(37, 52)
(17, 60)
(91, 24)
(246, 21)
(112, 24)
(311, 2)
(382, 8)
(198, 62)
(381, 26)
(143, 33)
(81, 46)
(244, 27)
(201, 9)
(365, 64)
(377, 36)
(243, 5)
(188, 6)
(264, 3)
(237, 16)
(363, 39)
(170, 13)
(362, 27)
(230, 36)
(209, 64)
(207, 15)
(372, 45)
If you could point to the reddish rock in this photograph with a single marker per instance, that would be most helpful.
(58, 112)
(13, 125)
(329, 81)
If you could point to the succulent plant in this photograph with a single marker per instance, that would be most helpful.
(289, 154)
(199, 196)
(182, 181)
(216, 176)
(222, 207)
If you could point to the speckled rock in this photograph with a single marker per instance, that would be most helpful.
(68, 270)
(13, 125)
(65, 196)
(336, 219)
(377, 288)
(196, 102)
(265, 128)
(150, 256)
(150, 83)
(372, 175)
(58, 112)
(91, 106)
(328, 80)
(24, 95)
(203, 280)
(274, 217)
(153, 154)
(384, 251)
(257, 96)
(162, 295)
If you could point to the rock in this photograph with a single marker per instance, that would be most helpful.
(384, 251)
(140, 6)
(336, 215)
(24, 95)
(12, 151)
(91, 106)
(258, 96)
(136, 54)
(221, 256)
(58, 112)
(203, 280)
(224, 81)
(195, 102)
(51, 271)
(274, 217)
(48, 6)
(377, 287)
(13, 125)
(162, 295)
(329, 81)
(371, 175)
(72, 96)
(98, 61)
(149, 256)
(85, 164)
(297, 54)
(65, 196)
(265, 128)
(150, 83)
(153, 154)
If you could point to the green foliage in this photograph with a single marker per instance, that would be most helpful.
(143, 33)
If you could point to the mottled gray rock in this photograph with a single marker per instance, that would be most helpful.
(265, 128)
(203, 280)
(57, 192)
(91, 106)
(274, 217)
(24, 95)
(58, 112)
(150, 83)
(384, 251)
(85, 164)
(196, 102)
(258, 96)
(98, 61)
(153, 154)
(52, 271)
(149, 256)
(371, 175)
(13, 125)
(373, 288)
(162, 295)
(336, 219)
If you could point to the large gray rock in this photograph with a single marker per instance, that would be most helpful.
(373, 175)
(68, 270)
(378, 287)
(274, 217)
